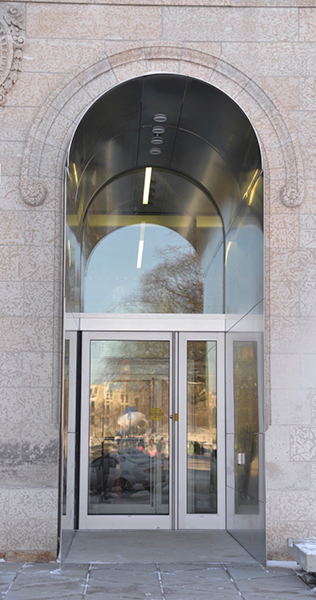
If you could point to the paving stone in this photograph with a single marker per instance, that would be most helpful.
(176, 578)
(292, 582)
(257, 571)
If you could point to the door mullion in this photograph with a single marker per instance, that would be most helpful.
(174, 409)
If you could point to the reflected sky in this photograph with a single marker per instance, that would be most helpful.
(150, 268)
(120, 260)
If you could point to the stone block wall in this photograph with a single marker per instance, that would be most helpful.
(56, 58)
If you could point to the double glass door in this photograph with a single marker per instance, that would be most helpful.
(152, 431)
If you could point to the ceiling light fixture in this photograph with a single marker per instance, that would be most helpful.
(147, 180)
(158, 130)
(157, 140)
(154, 151)
(160, 118)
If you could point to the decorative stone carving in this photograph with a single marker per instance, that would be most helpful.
(11, 45)
(291, 194)
(33, 192)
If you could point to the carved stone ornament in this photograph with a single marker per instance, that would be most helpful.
(11, 45)
(291, 194)
(33, 191)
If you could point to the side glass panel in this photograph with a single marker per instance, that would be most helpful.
(129, 427)
(201, 427)
(244, 256)
(65, 426)
(246, 427)
(68, 420)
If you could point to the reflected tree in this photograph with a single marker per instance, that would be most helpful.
(175, 285)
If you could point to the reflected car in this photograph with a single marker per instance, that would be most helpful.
(126, 471)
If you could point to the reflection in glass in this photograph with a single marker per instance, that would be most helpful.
(244, 256)
(246, 427)
(160, 273)
(165, 256)
(206, 185)
(65, 424)
(129, 427)
(201, 428)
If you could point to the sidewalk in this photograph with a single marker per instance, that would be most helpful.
(170, 579)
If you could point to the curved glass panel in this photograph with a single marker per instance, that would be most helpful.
(162, 253)
(244, 256)
(160, 273)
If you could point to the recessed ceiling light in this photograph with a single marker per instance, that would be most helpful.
(157, 140)
(158, 130)
(154, 151)
(160, 118)
(147, 181)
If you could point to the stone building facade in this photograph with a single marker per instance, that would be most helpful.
(56, 59)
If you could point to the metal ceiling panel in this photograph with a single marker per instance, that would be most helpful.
(206, 136)
(212, 115)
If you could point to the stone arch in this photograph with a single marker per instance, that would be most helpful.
(51, 132)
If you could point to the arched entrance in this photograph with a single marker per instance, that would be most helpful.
(164, 255)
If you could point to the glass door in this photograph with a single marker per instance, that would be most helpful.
(201, 496)
(152, 431)
(125, 431)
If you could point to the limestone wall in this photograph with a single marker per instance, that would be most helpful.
(56, 58)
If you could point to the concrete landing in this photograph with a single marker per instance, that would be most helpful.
(152, 546)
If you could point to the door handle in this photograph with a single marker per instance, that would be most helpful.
(241, 458)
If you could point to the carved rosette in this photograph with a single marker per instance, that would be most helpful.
(292, 193)
(12, 39)
(33, 191)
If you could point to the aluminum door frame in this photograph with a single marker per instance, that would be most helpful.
(122, 522)
(202, 521)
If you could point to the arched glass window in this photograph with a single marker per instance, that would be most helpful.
(164, 202)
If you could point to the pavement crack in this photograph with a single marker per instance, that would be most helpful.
(159, 575)
(3, 594)
(233, 582)
(86, 584)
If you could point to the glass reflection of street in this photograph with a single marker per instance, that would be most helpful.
(129, 427)
(201, 428)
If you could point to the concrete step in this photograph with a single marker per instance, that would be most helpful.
(303, 551)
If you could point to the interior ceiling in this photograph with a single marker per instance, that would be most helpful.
(206, 136)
